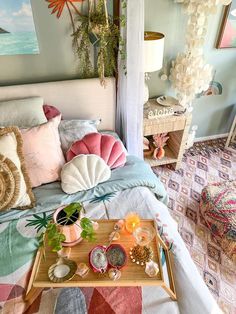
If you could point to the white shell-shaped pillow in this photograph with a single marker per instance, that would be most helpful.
(84, 172)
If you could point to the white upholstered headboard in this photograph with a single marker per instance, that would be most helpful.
(76, 99)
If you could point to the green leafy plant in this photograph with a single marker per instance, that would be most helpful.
(88, 232)
(54, 237)
(71, 213)
(97, 30)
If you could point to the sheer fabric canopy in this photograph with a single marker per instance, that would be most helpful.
(129, 118)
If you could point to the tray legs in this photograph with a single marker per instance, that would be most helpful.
(170, 292)
(32, 294)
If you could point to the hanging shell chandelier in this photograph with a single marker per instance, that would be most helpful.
(189, 73)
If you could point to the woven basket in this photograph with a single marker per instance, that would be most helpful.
(9, 183)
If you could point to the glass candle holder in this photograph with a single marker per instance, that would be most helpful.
(132, 222)
(144, 235)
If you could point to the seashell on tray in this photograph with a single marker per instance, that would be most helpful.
(151, 269)
(114, 236)
(63, 270)
(119, 225)
(114, 274)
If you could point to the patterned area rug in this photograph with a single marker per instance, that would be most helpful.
(204, 163)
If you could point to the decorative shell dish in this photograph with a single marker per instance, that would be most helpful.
(63, 270)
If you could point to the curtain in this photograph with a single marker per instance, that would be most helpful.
(129, 117)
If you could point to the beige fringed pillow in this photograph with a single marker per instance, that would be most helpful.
(15, 187)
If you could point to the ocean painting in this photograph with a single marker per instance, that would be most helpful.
(17, 30)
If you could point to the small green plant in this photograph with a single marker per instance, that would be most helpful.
(68, 216)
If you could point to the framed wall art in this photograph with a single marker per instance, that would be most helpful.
(17, 30)
(227, 34)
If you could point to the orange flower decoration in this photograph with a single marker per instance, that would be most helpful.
(58, 5)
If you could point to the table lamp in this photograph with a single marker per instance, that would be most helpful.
(153, 56)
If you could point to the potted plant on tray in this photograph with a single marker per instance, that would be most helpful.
(69, 227)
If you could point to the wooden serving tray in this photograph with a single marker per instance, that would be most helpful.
(132, 274)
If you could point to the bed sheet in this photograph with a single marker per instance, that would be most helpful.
(134, 173)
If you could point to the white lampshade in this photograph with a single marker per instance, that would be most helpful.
(153, 51)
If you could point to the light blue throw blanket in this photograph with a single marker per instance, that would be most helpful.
(50, 196)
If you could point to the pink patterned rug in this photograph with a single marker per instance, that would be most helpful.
(205, 163)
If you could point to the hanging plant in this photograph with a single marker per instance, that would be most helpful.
(96, 30)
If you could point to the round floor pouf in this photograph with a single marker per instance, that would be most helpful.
(218, 208)
(9, 183)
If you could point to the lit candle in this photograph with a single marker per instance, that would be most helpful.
(132, 221)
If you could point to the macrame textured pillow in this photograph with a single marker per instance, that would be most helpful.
(15, 187)
(103, 145)
(83, 172)
(9, 183)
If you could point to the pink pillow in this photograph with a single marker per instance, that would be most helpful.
(50, 111)
(103, 145)
(42, 152)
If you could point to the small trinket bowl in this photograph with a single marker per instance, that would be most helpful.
(116, 256)
(141, 254)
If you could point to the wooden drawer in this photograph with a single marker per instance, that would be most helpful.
(162, 125)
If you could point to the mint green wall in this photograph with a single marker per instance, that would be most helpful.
(212, 114)
(56, 60)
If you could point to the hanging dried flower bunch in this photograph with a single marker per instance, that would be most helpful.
(95, 30)
(189, 73)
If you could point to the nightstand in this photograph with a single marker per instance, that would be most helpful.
(177, 128)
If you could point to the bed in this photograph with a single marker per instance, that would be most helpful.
(131, 188)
